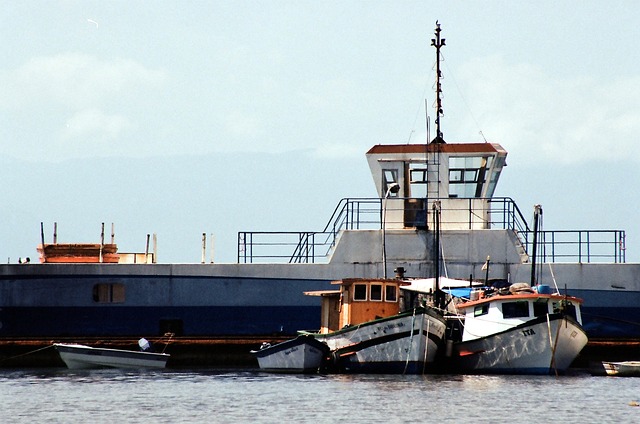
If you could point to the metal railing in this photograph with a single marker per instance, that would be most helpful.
(582, 246)
(366, 214)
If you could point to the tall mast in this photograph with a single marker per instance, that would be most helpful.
(438, 43)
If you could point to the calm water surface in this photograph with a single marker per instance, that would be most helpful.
(238, 396)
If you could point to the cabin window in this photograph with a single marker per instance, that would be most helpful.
(376, 292)
(540, 309)
(481, 310)
(359, 292)
(570, 310)
(515, 309)
(108, 293)
(390, 293)
(418, 180)
(565, 307)
(467, 175)
(389, 177)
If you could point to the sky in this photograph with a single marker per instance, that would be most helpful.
(187, 117)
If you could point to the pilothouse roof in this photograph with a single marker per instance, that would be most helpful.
(433, 147)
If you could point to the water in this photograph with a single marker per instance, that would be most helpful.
(238, 396)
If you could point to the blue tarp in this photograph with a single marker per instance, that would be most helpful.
(459, 292)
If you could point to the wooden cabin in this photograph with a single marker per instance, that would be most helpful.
(356, 301)
(78, 253)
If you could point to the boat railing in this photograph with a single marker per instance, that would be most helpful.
(309, 246)
(582, 246)
(472, 213)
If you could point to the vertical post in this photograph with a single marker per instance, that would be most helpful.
(155, 248)
(212, 247)
(113, 233)
(55, 233)
(439, 298)
(101, 242)
(146, 251)
(486, 270)
(393, 188)
(537, 211)
(204, 247)
(438, 43)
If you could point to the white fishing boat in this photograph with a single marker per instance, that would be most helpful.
(622, 369)
(366, 332)
(526, 331)
(77, 356)
(304, 354)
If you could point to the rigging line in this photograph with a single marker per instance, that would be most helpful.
(415, 119)
(464, 100)
(444, 261)
(426, 343)
(553, 278)
(413, 320)
(28, 353)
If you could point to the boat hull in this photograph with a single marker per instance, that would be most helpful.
(304, 354)
(85, 357)
(404, 343)
(540, 346)
(622, 369)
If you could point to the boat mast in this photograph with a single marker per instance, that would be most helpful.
(438, 43)
(537, 213)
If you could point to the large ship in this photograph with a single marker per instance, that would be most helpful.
(95, 291)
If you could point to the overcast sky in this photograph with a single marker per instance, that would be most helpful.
(207, 116)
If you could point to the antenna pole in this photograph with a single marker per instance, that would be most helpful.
(438, 43)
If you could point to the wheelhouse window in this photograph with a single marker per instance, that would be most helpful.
(359, 292)
(467, 175)
(390, 293)
(481, 310)
(540, 309)
(376, 292)
(518, 309)
(569, 309)
(108, 293)
(389, 177)
(418, 180)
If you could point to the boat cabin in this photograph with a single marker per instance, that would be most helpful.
(358, 300)
(411, 177)
(491, 315)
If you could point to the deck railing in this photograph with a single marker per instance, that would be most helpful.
(366, 214)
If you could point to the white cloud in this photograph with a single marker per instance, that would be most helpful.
(72, 80)
(94, 126)
(545, 116)
(74, 101)
(243, 125)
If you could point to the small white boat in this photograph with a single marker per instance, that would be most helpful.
(304, 354)
(622, 369)
(77, 356)
(524, 332)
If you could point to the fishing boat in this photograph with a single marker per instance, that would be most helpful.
(304, 354)
(101, 291)
(367, 330)
(77, 356)
(519, 331)
(622, 369)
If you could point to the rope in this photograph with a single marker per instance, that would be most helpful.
(25, 354)
(413, 321)
(426, 345)
(170, 335)
(552, 345)
(553, 278)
